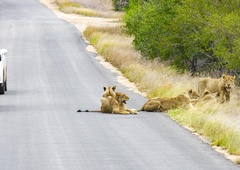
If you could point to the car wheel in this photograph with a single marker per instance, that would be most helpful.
(5, 84)
(2, 88)
(6, 81)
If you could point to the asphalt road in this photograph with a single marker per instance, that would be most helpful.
(50, 76)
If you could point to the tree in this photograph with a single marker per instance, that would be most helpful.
(149, 21)
(119, 5)
(200, 36)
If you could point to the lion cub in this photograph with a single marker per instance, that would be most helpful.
(222, 86)
(159, 104)
(113, 102)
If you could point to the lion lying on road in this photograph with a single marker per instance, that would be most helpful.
(113, 102)
(222, 86)
(118, 104)
(159, 104)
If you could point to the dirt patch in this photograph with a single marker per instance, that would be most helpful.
(80, 21)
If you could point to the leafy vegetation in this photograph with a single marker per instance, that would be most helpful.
(201, 36)
(119, 5)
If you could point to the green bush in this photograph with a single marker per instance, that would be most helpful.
(201, 36)
(119, 5)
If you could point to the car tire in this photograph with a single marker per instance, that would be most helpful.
(2, 88)
(5, 84)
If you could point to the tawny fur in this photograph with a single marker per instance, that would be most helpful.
(113, 102)
(159, 104)
(207, 98)
(222, 86)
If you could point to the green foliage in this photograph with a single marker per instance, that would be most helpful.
(119, 5)
(200, 36)
(147, 21)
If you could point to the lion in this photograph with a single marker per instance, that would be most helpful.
(118, 104)
(109, 91)
(113, 102)
(221, 86)
(207, 98)
(159, 104)
(193, 95)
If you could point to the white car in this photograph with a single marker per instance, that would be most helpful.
(3, 71)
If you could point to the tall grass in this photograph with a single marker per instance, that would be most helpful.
(69, 7)
(220, 128)
(219, 123)
(148, 75)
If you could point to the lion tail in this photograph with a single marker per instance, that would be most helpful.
(141, 109)
(89, 111)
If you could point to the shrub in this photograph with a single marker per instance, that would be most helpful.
(119, 5)
(200, 36)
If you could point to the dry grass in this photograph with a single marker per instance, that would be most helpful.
(69, 7)
(219, 123)
(220, 127)
(150, 75)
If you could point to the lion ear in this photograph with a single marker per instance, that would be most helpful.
(104, 88)
(206, 93)
(114, 88)
(223, 75)
(233, 77)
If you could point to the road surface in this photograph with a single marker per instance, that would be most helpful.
(50, 76)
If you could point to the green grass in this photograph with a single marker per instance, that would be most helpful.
(211, 124)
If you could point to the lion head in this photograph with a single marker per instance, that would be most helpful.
(109, 91)
(121, 97)
(228, 82)
(193, 94)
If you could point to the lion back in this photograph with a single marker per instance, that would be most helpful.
(208, 85)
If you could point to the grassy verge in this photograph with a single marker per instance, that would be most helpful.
(69, 7)
(150, 76)
(218, 127)
(219, 123)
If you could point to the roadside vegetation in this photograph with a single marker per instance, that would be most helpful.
(218, 123)
(202, 37)
(69, 7)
